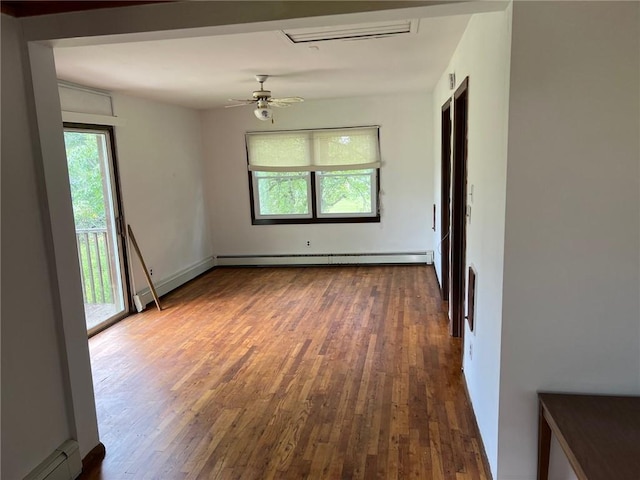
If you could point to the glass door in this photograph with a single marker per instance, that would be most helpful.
(99, 225)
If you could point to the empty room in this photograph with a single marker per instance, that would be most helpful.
(318, 239)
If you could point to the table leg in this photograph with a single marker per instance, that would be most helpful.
(544, 445)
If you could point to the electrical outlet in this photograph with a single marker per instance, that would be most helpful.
(151, 272)
(471, 351)
(308, 243)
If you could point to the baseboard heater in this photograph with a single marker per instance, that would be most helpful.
(63, 464)
(144, 297)
(325, 259)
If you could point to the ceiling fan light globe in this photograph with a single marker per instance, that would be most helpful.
(263, 113)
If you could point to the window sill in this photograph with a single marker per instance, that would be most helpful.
(309, 221)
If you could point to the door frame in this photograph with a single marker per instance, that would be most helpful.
(459, 207)
(119, 221)
(445, 199)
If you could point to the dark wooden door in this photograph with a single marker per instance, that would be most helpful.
(445, 201)
(459, 207)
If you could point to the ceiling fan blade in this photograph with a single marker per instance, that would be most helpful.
(242, 102)
(238, 105)
(279, 104)
(287, 100)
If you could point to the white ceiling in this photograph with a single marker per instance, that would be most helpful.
(204, 72)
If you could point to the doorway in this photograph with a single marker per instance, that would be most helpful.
(445, 201)
(459, 208)
(98, 220)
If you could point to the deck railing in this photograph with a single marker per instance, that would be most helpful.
(95, 265)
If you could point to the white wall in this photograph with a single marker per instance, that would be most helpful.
(407, 189)
(483, 56)
(159, 149)
(570, 311)
(59, 225)
(35, 396)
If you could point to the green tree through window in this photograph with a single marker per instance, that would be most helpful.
(83, 160)
(283, 194)
(346, 192)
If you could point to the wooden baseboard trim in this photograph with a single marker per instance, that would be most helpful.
(483, 451)
(93, 459)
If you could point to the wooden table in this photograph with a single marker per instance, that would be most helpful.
(600, 435)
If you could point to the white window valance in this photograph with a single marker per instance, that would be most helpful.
(333, 149)
(79, 99)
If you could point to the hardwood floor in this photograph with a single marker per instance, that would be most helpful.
(287, 373)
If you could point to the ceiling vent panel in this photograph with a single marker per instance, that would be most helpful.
(352, 32)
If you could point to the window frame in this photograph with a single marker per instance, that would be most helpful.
(316, 217)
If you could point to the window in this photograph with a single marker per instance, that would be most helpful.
(314, 176)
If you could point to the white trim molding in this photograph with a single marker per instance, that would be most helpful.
(91, 118)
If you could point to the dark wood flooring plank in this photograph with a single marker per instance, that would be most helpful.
(287, 373)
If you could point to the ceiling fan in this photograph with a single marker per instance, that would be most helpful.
(263, 100)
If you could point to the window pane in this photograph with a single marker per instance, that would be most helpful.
(283, 194)
(348, 192)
